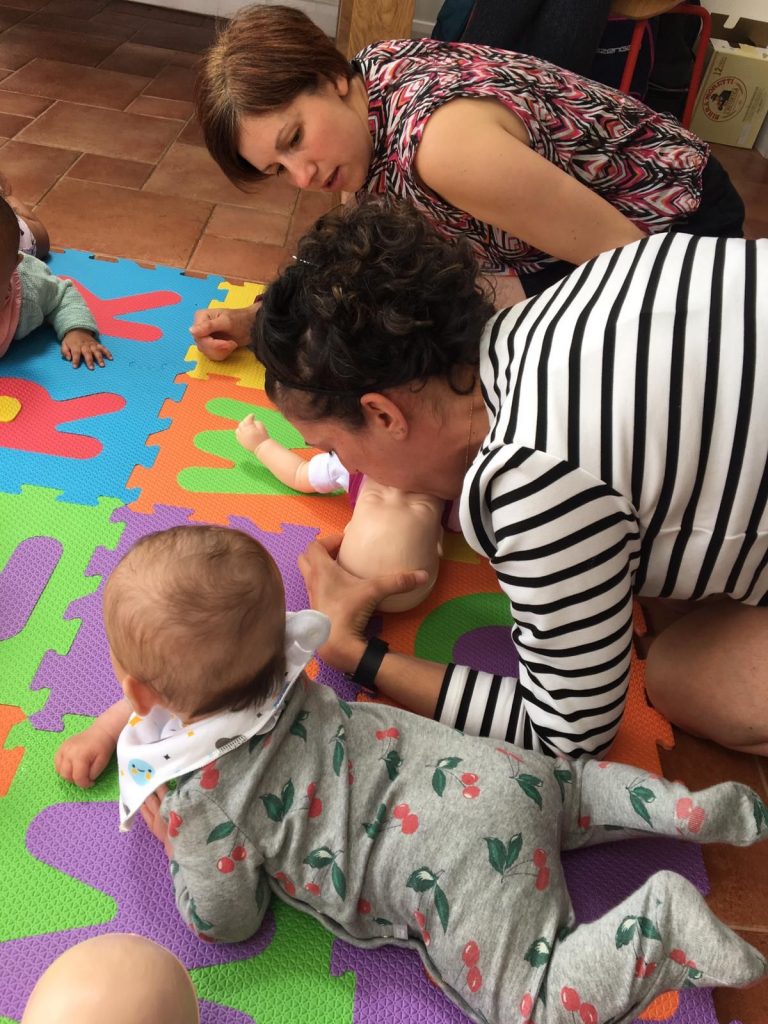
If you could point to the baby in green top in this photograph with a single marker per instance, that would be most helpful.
(31, 295)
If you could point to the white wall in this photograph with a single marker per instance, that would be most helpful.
(322, 12)
(425, 16)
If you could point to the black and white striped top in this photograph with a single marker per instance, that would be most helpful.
(628, 454)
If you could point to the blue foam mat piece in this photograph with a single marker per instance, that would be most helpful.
(142, 373)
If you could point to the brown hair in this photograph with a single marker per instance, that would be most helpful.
(264, 59)
(197, 613)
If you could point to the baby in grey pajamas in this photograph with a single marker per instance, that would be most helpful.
(388, 828)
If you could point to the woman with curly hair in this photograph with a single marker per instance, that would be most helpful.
(538, 168)
(605, 439)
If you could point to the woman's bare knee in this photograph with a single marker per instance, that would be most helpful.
(708, 674)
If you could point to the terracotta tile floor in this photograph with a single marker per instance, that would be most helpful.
(96, 131)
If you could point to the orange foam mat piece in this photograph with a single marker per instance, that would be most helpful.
(189, 418)
(10, 760)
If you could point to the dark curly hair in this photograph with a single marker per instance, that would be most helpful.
(376, 299)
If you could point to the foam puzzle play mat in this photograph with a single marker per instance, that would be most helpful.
(90, 462)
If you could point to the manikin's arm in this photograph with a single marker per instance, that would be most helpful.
(289, 467)
(82, 758)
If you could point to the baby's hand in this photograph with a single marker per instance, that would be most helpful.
(82, 758)
(80, 346)
(250, 432)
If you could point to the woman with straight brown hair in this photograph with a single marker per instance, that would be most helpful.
(538, 168)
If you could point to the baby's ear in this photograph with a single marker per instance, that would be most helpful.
(141, 696)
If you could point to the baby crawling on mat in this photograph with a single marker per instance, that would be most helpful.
(386, 827)
(31, 295)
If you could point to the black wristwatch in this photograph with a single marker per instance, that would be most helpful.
(370, 663)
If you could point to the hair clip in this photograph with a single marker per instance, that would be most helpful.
(306, 263)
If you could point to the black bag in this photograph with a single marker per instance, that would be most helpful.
(613, 49)
(452, 19)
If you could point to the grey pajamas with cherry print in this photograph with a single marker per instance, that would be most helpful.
(393, 829)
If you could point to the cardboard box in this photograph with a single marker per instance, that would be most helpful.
(761, 145)
(743, 30)
(733, 99)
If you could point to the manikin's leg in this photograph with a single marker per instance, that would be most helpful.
(663, 937)
(605, 800)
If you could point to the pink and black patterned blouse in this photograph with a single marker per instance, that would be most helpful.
(642, 162)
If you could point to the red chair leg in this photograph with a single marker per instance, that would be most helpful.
(701, 54)
(697, 71)
(633, 54)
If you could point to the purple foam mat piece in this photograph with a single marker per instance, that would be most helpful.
(391, 985)
(83, 841)
(339, 683)
(285, 547)
(82, 681)
(488, 648)
(23, 580)
(601, 876)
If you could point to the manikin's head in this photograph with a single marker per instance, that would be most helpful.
(10, 236)
(114, 979)
(393, 531)
(195, 618)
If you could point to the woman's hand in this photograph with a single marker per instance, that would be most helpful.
(220, 332)
(347, 600)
